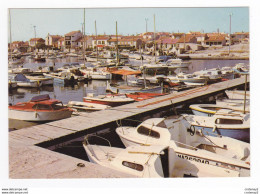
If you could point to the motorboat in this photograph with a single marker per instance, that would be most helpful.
(188, 79)
(96, 73)
(21, 70)
(140, 96)
(155, 161)
(177, 63)
(39, 108)
(86, 106)
(193, 150)
(39, 58)
(109, 99)
(237, 94)
(225, 123)
(22, 81)
(211, 109)
(44, 80)
(61, 77)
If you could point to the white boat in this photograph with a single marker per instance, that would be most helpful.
(61, 77)
(96, 73)
(237, 94)
(194, 151)
(22, 81)
(39, 108)
(235, 104)
(225, 123)
(87, 106)
(12, 84)
(21, 70)
(177, 63)
(44, 80)
(211, 109)
(188, 79)
(109, 99)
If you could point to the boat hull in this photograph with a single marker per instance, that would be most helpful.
(239, 134)
(38, 115)
(128, 90)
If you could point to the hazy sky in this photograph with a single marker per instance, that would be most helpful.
(130, 20)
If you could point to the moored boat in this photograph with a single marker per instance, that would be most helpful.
(86, 106)
(39, 108)
(22, 81)
(110, 100)
(194, 149)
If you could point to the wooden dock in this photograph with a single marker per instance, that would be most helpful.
(28, 160)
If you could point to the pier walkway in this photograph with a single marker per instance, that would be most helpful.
(27, 160)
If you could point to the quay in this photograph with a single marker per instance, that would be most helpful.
(29, 158)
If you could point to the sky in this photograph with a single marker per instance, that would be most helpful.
(129, 20)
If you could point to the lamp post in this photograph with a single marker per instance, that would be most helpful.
(146, 19)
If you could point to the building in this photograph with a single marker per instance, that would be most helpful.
(71, 39)
(240, 37)
(216, 40)
(100, 41)
(52, 40)
(188, 42)
(61, 43)
(87, 40)
(36, 42)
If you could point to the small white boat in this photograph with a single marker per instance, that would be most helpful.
(189, 79)
(21, 70)
(39, 108)
(87, 106)
(194, 151)
(22, 81)
(44, 80)
(225, 123)
(237, 94)
(96, 73)
(211, 109)
(177, 63)
(109, 99)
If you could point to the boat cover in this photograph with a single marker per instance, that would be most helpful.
(40, 98)
(21, 77)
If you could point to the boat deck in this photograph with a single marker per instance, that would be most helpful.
(27, 160)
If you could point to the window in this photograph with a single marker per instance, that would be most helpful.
(145, 131)
(228, 121)
(103, 42)
(57, 106)
(41, 107)
(134, 166)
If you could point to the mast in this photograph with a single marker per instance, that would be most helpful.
(154, 39)
(145, 86)
(117, 57)
(245, 95)
(96, 39)
(84, 39)
(10, 35)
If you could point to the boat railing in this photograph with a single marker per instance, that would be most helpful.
(86, 138)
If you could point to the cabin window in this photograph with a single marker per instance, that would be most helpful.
(145, 131)
(57, 106)
(134, 166)
(41, 107)
(228, 121)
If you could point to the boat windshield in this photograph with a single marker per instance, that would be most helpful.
(57, 106)
(41, 107)
(228, 121)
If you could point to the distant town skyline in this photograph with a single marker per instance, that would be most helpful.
(130, 20)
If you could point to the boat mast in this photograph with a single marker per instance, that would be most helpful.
(245, 94)
(84, 40)
(10, 35)
(154, 39)
(145, 86)
(117, 57)
(96, 39)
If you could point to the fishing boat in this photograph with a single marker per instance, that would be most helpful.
(85, 106)
(225, 123)
(109, 99)
(44, 80)
(39, 108)
(188, 79)
(22, 81)
(139, 96)
(155, 161)
(192, 149)
(237, 94)
(211, 109)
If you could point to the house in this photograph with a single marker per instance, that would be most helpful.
(100, 41)
(87, 40)
(52, 40)
(71, 39)
(176, 35)
(188, 42)
(126, 42)
(239, 37)
(148, 35)
(16, 45)
(216, 40)
(166, 43)
(61, 43)
(33, 42)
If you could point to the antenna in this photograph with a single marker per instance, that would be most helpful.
(34, 31)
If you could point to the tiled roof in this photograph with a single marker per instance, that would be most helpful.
(186, 38)
(101, 38)
(215, 39)
(37, 39)
(72, 33)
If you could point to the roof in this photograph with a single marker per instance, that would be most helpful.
(61, 39)
(215, 39)
(169, 41)
(186, 38)
(72, 33)
(37, 39)
(101, 38)
(126, 72)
